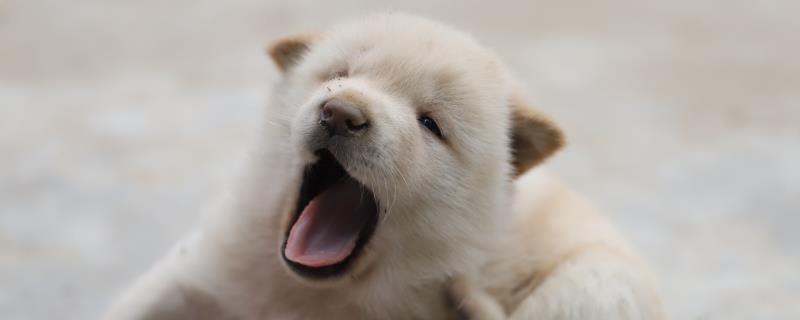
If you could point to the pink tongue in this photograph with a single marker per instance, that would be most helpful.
(327, 229)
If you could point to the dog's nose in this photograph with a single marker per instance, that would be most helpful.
(340, 117)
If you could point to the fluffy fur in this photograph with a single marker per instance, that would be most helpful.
(458, 233)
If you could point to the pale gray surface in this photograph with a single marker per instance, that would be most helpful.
(119, 120)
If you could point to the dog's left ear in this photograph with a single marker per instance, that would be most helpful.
(288, 51)
(534, 137)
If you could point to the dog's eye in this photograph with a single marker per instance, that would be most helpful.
(430, 125)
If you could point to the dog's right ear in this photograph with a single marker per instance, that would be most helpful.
(534, 137)
(287, 52)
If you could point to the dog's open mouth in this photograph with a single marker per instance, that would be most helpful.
(334, 218)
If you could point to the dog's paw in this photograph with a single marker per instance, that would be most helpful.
(468, 302)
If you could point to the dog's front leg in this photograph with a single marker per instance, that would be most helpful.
(472, 303)
(594, 285)
(166, 293)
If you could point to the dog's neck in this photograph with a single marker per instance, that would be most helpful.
(274, 293)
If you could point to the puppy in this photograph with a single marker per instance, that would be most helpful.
(392, 181)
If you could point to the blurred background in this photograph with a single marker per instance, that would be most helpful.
(120, 119)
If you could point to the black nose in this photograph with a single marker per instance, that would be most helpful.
(340, 117)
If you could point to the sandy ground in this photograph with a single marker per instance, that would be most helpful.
(120, 119)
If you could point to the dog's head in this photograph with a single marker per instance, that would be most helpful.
(409, 134)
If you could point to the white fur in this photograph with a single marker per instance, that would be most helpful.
(448, 225)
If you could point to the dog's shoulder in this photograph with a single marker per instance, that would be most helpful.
(559, 245)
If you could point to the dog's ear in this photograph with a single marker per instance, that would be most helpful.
(287, 52)
(534, 137)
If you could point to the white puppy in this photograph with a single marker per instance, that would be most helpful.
(388, 184)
